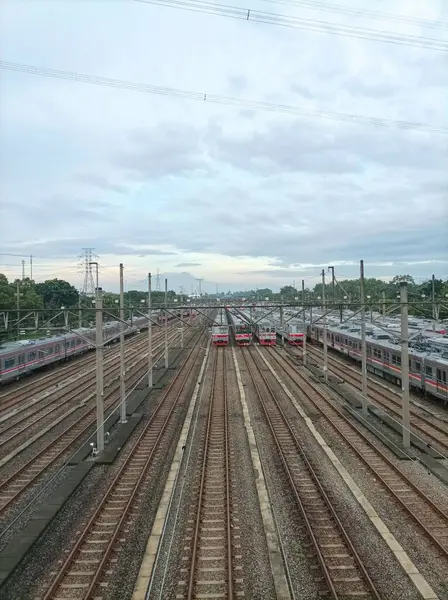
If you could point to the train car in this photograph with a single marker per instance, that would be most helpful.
(220, 331)
(428, 363)
(22, 357)
(165, 317)
(265, 333)
(242, 331)
(294, 333)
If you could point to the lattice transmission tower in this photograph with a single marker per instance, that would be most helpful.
(88, 287)
(158, 281)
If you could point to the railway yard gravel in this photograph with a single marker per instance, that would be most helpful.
(256, 573)
(64, 528)
(382, 566)
(49, 552)
(288, 520)
(424, 555)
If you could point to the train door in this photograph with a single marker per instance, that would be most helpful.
(441, 380)
(332, 340)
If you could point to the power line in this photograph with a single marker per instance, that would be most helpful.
(247, 14)
(224, 100)
(363, 13)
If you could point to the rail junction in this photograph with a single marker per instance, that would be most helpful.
(252, 468)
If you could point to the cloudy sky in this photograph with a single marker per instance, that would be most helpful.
(237, 196)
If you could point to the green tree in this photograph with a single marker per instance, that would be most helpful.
(288, 292)
(57, 293)
(6, 293)
(396, 280)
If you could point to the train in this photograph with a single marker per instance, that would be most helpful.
(265, 333)
(23, 357)
(292, 331)
(220, 331)
(262, 327)
(165, 318)
(242, 331)
(428, 357)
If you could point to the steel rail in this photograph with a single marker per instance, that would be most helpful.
(186, 370)
(65, 372)
(64, 367)
(55, 404)
(69, 395)
(335, 594)
(332, 415)
(384, 400)
(205, 460)
(84, 422)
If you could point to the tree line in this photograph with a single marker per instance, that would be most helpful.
(54, 295)
(23, 296)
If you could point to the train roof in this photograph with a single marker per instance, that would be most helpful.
(379, 337)
(17, 345)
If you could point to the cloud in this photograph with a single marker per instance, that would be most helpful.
(237, 84)
(166, 149)
(240, 194)
(96, 180)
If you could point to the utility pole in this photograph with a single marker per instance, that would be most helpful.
(405, 365)
(363, 341)
(123, 418)
(149, 334)
(23, 270)
(79, 312)
(304, 323)
(99, 371)
(433, 302)
(384, 303)
(324, 328)
(182, 326)
(166, 323)
(333, 288)
(18, 294)
(200, 286)
(282, 326)
(31, 267)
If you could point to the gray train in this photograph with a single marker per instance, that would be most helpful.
(428, 358)
(25, 356)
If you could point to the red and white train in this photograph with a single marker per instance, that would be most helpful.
(242, 331)
(220, 331)
(265, 333)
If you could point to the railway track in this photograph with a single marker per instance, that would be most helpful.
(415, 504)
(13, 392)
(35, 385)
(14, 485)
(89, 563)
(208, 559)
(64, 399)
(431, 432)
(39, 386)
(342, 574)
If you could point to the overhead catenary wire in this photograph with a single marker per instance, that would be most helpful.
(363, 13)
(316, 25)
(223, 100)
